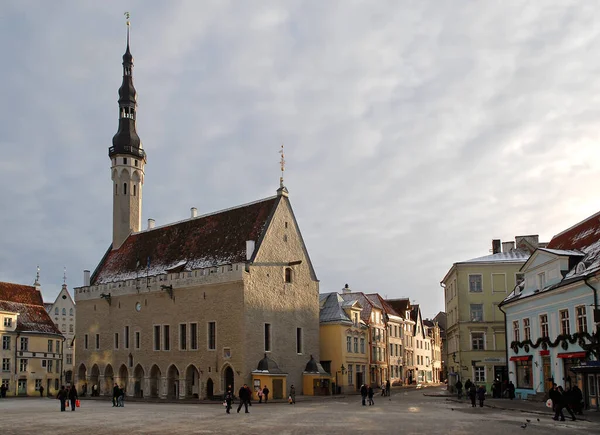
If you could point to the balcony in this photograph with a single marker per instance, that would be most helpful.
(139, 152)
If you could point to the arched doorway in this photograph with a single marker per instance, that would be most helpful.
(82, 379)
(155, 376)
(138, 376)
(173, 382)
(192, 382)
(229, 379)
(109, 380)
(209, 388)
(95, 376)
(123, 378)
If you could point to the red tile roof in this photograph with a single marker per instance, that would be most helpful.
(27, 301)
(205, 241)
(579, 236)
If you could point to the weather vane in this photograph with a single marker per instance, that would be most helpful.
(282, 163)
(127, 17)
(64, 275)
(37, 276)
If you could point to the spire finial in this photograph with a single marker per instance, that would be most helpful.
(37, 277)
(128, 24)
(282, 163)
(64, 275)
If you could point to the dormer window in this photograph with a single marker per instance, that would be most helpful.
(541, 280)
(580, 267)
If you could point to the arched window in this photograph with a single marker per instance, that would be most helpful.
(64, 311)
(124, 188)
(56, 311)
(288, 274)
(70, 311)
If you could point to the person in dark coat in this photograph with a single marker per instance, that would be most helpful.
(555, 396)
(363, 394)
(511, 390)
(266, 394)
(564, 403)
(388, 388)
(468, 385)
(459, 386)
(72, 397)
(472, 393)
(577, 398)
(228, 399)
(62, 396)
(41, 391)
(3, 391)
(244, 394)
(292, 395)
(481, 395)
(370, 395)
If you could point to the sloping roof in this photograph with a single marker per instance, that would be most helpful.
(562, 252)
(379, 302)
(27, 302)
(205, 241)
(331, 309)
(414, 313)
(367, 305)
(400, 306)
(515, 255)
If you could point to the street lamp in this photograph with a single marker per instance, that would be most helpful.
(343, 371)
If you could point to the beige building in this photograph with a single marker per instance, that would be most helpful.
(63, 313)
(32, 346)
(433, 332)
(403, 308)
(475, 334)
(186, 309)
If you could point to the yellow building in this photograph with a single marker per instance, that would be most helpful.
(475, 336)
(32, 346)
(344, 342)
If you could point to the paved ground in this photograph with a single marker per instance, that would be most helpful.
(407, 412)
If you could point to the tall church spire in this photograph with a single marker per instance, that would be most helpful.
(128, 159)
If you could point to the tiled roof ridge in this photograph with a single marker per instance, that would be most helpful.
(205, 215)
(597, 214)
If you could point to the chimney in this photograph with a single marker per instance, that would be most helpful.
(346, 289)
(496, 246)
(508, 246)
(151, 223)
(194, 212)
(528, 243)
(249, 249)
(86, 278)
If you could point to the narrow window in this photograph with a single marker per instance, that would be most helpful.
(517, 336)
(183, 336)
(137, 339)
(267, 337)
(126, 338)
(124, 160)
(116, 340)
(565, 328)
(134, 189)
(50, 346)
(124, 188)
(288, 274)
(526, 329)
(544, 325)
(64, 311)
(135, 162)
(97, 341)
(194, 336)
(85, 341)
(581, 319)
(70, 311)
(212, 335)
(166, 337)
(348, 344)
(156, 337)
(56, 311)
(116, 193)
(299, 340)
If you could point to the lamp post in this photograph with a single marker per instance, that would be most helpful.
(342, 370)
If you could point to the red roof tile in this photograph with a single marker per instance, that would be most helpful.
(27, 301)
(205, 241)
(579, 236)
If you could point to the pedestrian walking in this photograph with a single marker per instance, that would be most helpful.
(41, 391)
(292, 397)
(370, 395)
(459, 387)
(72, 396)
(388, 388)
(62, 396)
(511, 390)
(94, 390)
(481, 395)
(468, 385)
(259, 394)
(266, 394)
(564, 404)
(577, 398)
(115, 395)
(472, 393)
(363, 394)
(228, 399)
(244, 398)
(3, 391)
(121, 398)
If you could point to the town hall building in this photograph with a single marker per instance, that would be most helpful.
(184, 310)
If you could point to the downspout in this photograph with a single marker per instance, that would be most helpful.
(505, 339)
(595, 308)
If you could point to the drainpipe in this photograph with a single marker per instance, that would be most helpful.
(505, 340)
(595, 308)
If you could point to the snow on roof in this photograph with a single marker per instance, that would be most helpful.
(27, 302)
(515, 255)
(562, 252)
(211, 240)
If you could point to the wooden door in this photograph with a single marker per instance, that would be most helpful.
(547, 373)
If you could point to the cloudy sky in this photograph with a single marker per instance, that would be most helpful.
(415, 131)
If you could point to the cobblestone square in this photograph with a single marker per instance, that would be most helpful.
(407, 412)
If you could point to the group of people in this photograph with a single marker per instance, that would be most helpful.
(118, 399)
(366, 392)
(571, 400)
(245, 397)
(475, 393)
(65, 395)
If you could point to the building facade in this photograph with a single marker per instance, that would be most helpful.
(189, 308)
(32, 346)
(475, 334)
(551, 316)
(343, 341)
(63, 313)
(423, 368)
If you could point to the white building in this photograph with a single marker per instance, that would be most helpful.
(62, 312)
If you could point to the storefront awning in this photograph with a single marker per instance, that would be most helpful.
(521, 358)
(544, 352)
(571, 355)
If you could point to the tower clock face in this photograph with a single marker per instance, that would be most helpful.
(138, 306)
